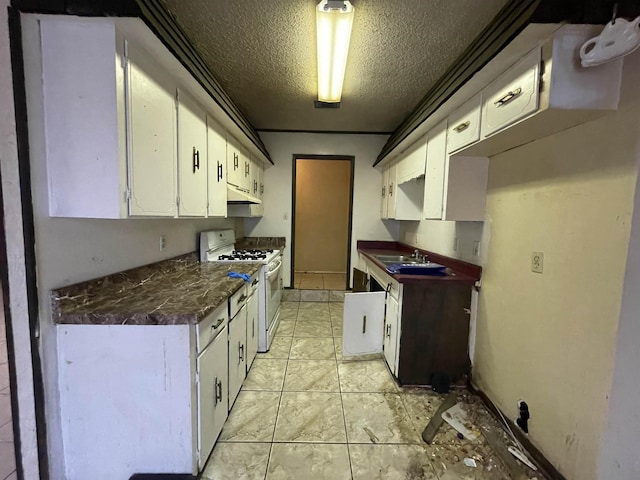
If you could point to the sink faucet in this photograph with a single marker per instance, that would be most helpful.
(421, 258)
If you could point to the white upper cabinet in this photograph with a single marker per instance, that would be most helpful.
(117, 141)
(192, 157)
(238, 166)
(392, 191)
(435, 171)
(401, 201)
(151, 122)
(464, 124)
(217, 170)
(411, 166)
(513, 96)
(545, 92)
(85, 133)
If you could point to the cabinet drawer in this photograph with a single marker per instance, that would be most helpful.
(237, 300)
(252, 286)
(211, 326)
(464, 125)
(512, 96)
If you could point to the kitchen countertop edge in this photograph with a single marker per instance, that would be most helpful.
(464, 272)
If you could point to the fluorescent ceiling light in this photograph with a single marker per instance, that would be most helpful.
(334, 21)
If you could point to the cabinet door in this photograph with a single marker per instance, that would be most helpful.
(151, 115)
(391, 192)
(260, 169)
(412, 164)
(383, 198)
(435, 171)
(217, 170)
(212, 394)
(234, 169)
(363, 323)
(247, 168)
(391, 334)
(237, 353)
(192, 160)
(252, 328)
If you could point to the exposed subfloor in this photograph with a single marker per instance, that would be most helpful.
(306, 413)
(7, 454)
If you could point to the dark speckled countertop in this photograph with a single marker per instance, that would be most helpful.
(261, 242)
(175, 291)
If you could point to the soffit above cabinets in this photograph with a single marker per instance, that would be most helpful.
(263, 53)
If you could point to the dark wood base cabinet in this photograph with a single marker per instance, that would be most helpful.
(434, 332)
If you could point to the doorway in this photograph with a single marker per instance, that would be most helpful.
(321, 213)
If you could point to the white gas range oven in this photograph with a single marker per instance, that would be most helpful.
(218, 246)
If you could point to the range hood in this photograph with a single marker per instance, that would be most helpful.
(238, 196)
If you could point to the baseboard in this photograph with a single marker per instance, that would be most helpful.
(540, 460)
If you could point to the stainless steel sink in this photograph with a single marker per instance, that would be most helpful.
(391, 259)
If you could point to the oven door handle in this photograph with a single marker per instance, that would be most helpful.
(273, 272)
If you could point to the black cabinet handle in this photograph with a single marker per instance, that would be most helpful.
(240, 352)
(235, 161)
(262, 189)
(217, 324)
(217, 390)
(246, 169)
(196, 159)
(219, 171)
(242, 299)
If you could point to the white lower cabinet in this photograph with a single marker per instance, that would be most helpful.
(371, 322)
(237, 353)
(391, 336)
(213, 384)
(363, 323)
(252, 328)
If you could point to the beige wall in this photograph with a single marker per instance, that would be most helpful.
(322, 215)
(550, 338)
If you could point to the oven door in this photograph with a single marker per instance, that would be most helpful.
(273, 286)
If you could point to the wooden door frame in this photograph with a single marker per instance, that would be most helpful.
(352, 160)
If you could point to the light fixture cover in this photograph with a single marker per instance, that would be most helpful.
(333, 35)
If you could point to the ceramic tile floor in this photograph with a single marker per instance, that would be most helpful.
(319, 281)
(7, 455)
(306, 413)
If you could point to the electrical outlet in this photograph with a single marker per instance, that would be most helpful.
(455, 244)
(476, 248)
(418, 238)
(163, 242)
(537, 262)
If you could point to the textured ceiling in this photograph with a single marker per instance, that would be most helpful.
(263, 54)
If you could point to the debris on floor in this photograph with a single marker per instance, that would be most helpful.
(436, 421)
(457, 417)
(470, 462)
